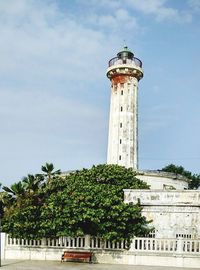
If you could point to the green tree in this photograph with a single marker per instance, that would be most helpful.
(22, 206)
(89, 201)
(194, 178)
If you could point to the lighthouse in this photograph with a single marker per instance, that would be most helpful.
(124, 72)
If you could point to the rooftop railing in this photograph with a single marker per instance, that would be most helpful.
(117, 61)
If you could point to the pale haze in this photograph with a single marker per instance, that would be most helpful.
(54, 94)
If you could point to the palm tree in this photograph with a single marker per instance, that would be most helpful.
(32, 182)
(12, 195)
(48, 171)
(15, 190)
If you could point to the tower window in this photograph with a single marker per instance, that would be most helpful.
(120, 141)
(121, 109)
(122, 92)
(120, 157)
(122, 84)
(120, 125)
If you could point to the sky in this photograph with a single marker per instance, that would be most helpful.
(54, 94)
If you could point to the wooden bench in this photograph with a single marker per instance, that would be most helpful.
(80, 256)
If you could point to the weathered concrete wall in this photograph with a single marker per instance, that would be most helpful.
(147, 259)
(29, 253)
(108, 257)
(174, 213)
(163, 197)
(163, 180)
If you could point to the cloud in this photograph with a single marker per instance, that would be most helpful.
(100, 3)
(39, 128)
(122, 14)
(50, 80)
(37, 41)
(108, 16)
(45, 112)
(117, 21)
(159, 9)
(194, 5)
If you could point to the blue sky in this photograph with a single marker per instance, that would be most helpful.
(54, 94)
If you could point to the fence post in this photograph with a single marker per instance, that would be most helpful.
(179, 245)
(3, 245)
(132, 246)
(43, 241)
(87, 241)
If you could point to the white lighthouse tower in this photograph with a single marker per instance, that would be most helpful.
(124, 71)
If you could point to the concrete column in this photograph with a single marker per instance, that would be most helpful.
(87, 241)
(180, 245)
(3, 245)
(43, 242)
(132, 246)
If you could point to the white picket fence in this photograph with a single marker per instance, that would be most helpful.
(68, 242)
(143, 245)
(159, 245)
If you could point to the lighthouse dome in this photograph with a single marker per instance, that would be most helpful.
(125, 54)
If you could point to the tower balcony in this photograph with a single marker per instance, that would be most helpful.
(131, 67)
(118, 61)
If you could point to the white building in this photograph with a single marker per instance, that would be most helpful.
(175, 211)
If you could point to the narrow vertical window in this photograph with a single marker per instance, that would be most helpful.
(120, 125)
(120, 141)
(121, 108)
(120, 157)
(122, 92)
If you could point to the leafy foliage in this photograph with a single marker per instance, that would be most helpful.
(48, 171)
(195, 178)
(22, 207)
(89, 201)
